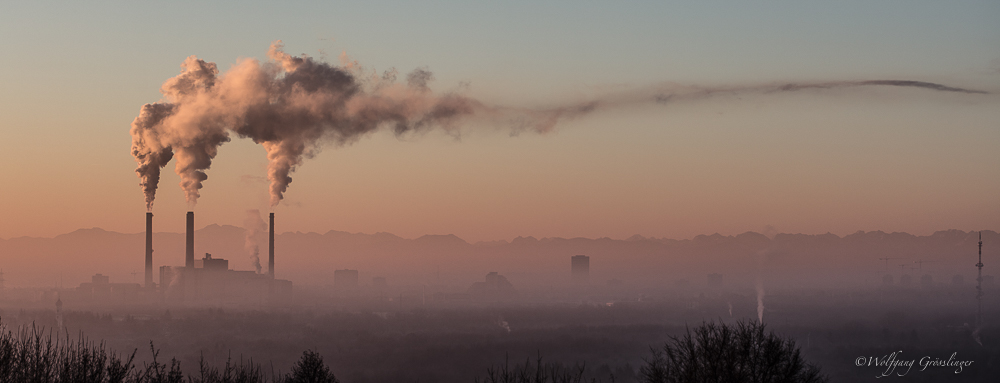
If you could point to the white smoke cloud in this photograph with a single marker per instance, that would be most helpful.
(294, 105)
(255, 232)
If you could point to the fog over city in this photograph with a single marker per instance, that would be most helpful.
(357, 297)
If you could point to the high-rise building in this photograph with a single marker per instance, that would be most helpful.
(580, 266)
(345, 279)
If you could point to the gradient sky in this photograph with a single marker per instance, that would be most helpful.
(75, 75)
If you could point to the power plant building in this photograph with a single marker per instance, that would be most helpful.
(101, 290)
(210, 281)
(495, 286)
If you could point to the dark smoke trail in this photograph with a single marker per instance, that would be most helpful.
(903, 83)
(292, 105)
(668, 93)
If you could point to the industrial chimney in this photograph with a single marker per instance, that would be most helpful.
(270, 248)
(189, 255)
(149, 250)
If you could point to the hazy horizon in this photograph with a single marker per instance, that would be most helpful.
(309, 258)
(769, 232)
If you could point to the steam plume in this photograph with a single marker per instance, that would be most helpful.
(147, 149)
(293, 105)
(255, 228)
(761, 258)
(760, 301)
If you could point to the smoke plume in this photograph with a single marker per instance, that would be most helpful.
(761, 258)
(255, 229)
(294, 105)
(760, 301)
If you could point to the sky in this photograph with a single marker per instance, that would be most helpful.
(816, 161)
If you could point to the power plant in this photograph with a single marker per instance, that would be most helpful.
(209, 280)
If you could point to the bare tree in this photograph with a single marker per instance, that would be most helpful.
(311, 369)
(721, 353)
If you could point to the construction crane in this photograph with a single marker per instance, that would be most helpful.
(887, 261)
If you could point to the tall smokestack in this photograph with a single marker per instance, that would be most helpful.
(149, 250)
(189, 256)
(270, 248)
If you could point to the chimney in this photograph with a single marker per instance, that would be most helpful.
(270, 248)
(189, 256)
(149, 250)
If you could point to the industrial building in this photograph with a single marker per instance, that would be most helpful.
(101, 290)
(495, 286)
(209, 280)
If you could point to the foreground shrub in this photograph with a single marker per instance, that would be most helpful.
(537, 372)
(32, 355)
(721, 353)
(311, 369)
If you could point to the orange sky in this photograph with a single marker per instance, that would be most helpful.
(803, 163)
(893, 159)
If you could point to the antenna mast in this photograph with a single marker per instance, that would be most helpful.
(979, 285)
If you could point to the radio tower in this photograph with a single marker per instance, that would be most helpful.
(979, 285)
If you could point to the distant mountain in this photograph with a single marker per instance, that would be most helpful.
(311, 258)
